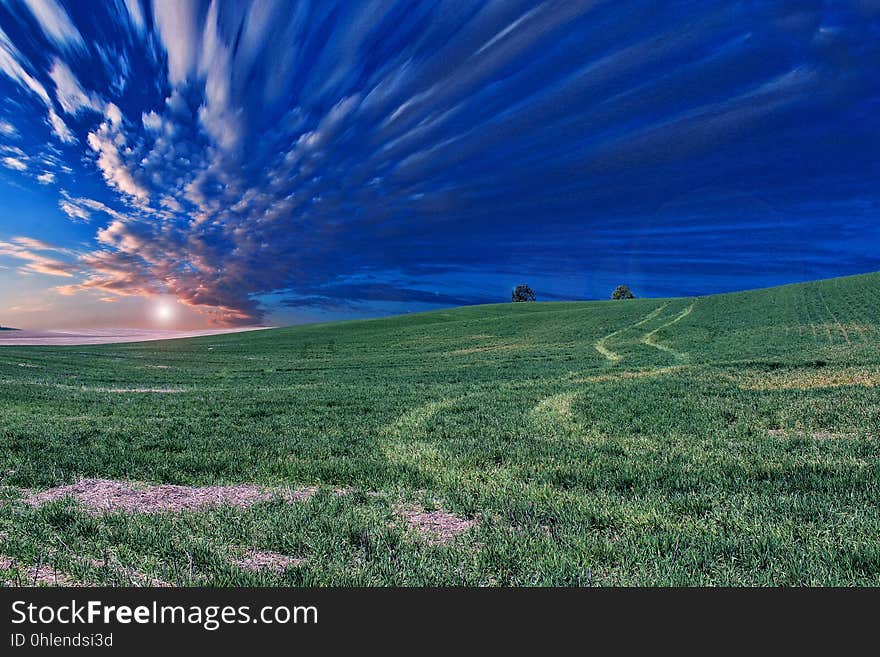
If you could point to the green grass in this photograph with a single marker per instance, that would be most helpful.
(728, 440)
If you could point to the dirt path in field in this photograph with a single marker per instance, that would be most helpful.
(650, 340)
(599, 345)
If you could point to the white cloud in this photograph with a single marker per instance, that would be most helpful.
(107, 141)
(171, 203)
(25, 249)
(55, 23)
(97, 206)
(12, 150)
(46, 178)
(73, 210)
(14, 163)
(136, 14)
(10, 65)
(178, 28)
(113, 114)
(82, 208)
(68, 91)
(7, 129)
(59, 127)
(151, 121)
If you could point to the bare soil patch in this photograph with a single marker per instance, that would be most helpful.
(818, 435)
(40, 575)
(437, 527)
(108, 496)
(131, 576)
(263, 560)
(490, 348)
(809, 380)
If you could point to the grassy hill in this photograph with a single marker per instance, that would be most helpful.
(730, 439)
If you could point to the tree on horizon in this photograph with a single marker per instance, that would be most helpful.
(522, 293)
(622, 292)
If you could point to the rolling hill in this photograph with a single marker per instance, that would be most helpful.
(729, 439)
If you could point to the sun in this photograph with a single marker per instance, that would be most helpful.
(164, 311)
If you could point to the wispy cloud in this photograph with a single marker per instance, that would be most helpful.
(14, 163)
(7, 129)
(338, 154)
(11, 66)
(56, 24)
(34, 255)
(68, 91)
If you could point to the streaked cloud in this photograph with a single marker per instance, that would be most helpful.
(136, 14)
(180, 27)
(34, 255)
(346, 156)
(55, 23)
(68, 91)
(11, 66)
(14, 163)
(7, 129)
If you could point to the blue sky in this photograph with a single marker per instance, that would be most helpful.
(281, 161)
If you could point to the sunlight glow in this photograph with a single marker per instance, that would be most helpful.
(164, 311)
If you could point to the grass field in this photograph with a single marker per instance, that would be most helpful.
(728, 440)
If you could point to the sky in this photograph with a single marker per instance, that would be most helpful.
(220, 163)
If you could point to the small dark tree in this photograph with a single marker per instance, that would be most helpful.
(522, 293)
(622, 292)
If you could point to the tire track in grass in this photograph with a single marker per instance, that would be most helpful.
(408, 442)
(821, 322)
(553, 416)
(599, 345)
(406, 438)
(833, 316)
(802, 307)
(649, 339)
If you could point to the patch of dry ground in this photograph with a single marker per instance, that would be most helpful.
(810, 379)
(818, 435)
(437, 527)
(129, 575)
(108, 496)
(47, 574)
(40, 575)
(261, 560)
(487, 349)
